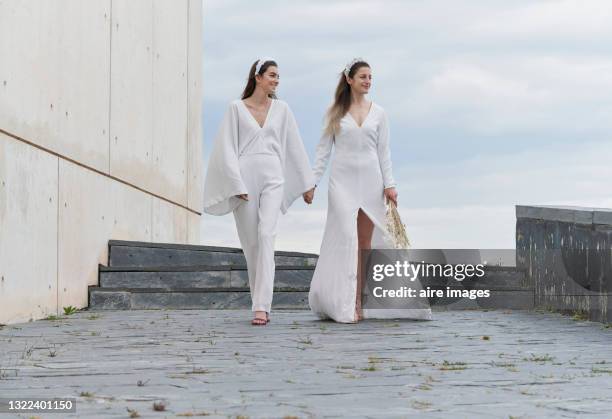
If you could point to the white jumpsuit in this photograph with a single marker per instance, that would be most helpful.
(361, 170)
(269, 164)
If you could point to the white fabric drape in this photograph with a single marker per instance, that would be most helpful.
(360, 171)
(240, 135)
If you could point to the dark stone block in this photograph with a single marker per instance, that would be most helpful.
(168, 280)
(105, 300)
(141, 256)
(213, 300)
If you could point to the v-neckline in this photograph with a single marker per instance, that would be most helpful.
(364, 119)
(255, 119)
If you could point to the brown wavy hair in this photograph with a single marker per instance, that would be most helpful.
(342, 101)
(251, 83)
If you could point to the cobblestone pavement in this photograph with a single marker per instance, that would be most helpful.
(462, 364)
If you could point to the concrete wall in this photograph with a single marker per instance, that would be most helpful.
(100, 138)
(567, 255)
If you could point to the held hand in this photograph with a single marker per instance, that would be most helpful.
(391, 195)
(243, 196)
(308, 196)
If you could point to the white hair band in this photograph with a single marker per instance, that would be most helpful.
(261, 62)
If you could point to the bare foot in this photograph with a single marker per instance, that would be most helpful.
(358, 313)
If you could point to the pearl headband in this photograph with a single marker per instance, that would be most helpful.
(261, 62)
(350, 65)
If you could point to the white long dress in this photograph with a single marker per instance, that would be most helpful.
(361, 170)
(269, 164)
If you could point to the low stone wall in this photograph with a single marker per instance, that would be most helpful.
(566, 253)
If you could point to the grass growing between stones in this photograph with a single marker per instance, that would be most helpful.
(580, 315)
(421, 405)
(539, 358)
(503, 364)
(452, 366)
(305, 340)
(70, 310)
(53, 352)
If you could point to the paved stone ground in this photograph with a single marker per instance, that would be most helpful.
(464, 364)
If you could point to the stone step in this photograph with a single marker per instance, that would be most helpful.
(287, 278)
(508, 286)
(142, 254)
(219, 278)
(501, 278)
(155, 299)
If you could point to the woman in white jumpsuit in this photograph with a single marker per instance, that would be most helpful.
(361, 179)
(257, 168)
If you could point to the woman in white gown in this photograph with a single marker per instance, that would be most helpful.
(257, 168)
(361, 180)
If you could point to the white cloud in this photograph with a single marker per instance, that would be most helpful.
(548, 20)
(517, 92)
(546, 176)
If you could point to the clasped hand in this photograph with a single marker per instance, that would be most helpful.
(308, 196)
(390, 195)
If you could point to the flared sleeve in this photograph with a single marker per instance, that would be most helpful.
(323, 152)
(223, 181)
(296, 166)
(384, 152)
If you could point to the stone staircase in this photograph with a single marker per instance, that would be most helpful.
(170, 276)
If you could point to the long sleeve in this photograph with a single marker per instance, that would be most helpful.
(384, 152)
(296, 166)
(323, 152)
(223, 180)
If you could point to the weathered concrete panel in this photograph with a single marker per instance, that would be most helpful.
(28, 232)
(193, 228)
(92, 81)
(131, 123)
(169, 222)
(85, 223)
(93, 208)
(170, 29)
(132, 210)
(55, 57)
(194, 90)
(568, 214)
(567, 258)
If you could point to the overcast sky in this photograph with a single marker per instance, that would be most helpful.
(491, 103)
